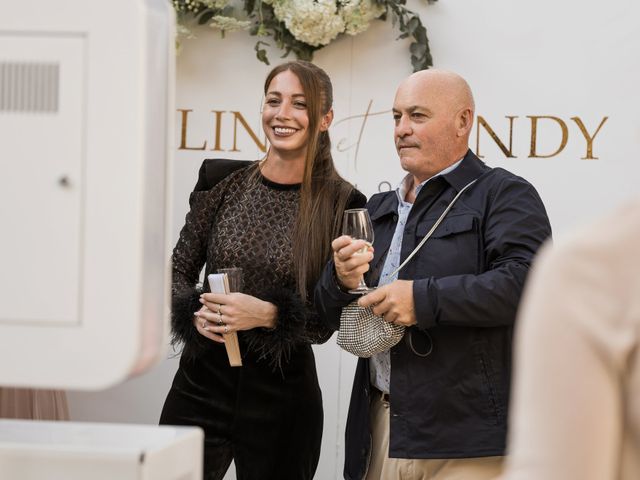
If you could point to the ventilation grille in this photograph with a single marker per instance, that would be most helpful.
(29, 87)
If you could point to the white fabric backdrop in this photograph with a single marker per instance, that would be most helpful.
(576, 60)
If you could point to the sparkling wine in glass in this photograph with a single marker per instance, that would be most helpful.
(357, 224)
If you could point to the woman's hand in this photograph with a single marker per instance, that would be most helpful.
(232, 312)
(202, 325)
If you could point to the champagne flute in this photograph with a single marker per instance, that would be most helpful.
(234, 277)
(356, 223)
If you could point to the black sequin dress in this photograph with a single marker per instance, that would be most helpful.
(267, 415)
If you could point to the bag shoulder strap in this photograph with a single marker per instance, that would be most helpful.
(433, 228)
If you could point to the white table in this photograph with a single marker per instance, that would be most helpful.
(38, 450)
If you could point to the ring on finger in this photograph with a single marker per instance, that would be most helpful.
(220, 322)
(219, 308)
(226, 329)
(203, 324)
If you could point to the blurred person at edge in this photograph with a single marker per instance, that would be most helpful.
(438, 415)
(273, 218)
(576, 390)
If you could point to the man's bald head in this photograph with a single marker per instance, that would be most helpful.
(433, 112)
(448, 85)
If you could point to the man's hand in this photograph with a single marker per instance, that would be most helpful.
(351, 258)
(393, 302)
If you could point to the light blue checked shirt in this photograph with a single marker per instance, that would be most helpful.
(380, 364)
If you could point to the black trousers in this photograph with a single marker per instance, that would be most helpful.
(269, 422)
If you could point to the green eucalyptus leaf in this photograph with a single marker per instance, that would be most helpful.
(420, 34)
(262, 30)
(205, 17)
(402, 23)
(413, 24)
(261, 53)
(262, 56)
(418, 49)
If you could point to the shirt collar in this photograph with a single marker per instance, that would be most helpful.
(470, 169)
(407, 182)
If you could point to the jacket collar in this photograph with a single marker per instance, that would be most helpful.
(470, 169)
(388, 205)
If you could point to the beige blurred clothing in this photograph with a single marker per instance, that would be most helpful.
(33, 404)
(576, 403)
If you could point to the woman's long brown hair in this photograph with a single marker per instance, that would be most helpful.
(324, 193)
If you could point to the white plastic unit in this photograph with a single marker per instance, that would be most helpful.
(33, 450)
(86, 109)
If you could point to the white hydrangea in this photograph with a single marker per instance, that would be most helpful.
(229, 24)
(218, 4)
(357, 14)
(193, 5)
(313, 22)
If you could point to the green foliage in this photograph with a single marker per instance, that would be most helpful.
(261, 20)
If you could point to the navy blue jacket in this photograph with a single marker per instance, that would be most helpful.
(468, 278)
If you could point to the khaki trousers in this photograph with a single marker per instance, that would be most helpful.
(384, 468)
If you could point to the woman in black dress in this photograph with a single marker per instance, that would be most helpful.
(275, 219)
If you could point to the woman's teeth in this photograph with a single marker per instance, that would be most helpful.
(284, 131)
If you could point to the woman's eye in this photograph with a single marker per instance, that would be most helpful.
(300, 104)
(273, 101)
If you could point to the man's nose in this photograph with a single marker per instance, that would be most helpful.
(403, 127)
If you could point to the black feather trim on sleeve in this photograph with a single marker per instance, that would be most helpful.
(275, 344)
(183, 305)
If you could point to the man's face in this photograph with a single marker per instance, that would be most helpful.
(425, 128)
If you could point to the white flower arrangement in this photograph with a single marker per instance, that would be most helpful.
(303, 26)
(315, 23)
(358, 14)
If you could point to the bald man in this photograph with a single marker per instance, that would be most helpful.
(434, 407)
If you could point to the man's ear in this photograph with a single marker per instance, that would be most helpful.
(327, 118)
(464, 121)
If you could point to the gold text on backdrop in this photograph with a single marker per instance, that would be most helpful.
(549, 123)
(534, 134)
(217, 124)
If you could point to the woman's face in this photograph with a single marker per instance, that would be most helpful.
(284, 115)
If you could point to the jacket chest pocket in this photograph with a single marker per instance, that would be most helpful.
(453, 248)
